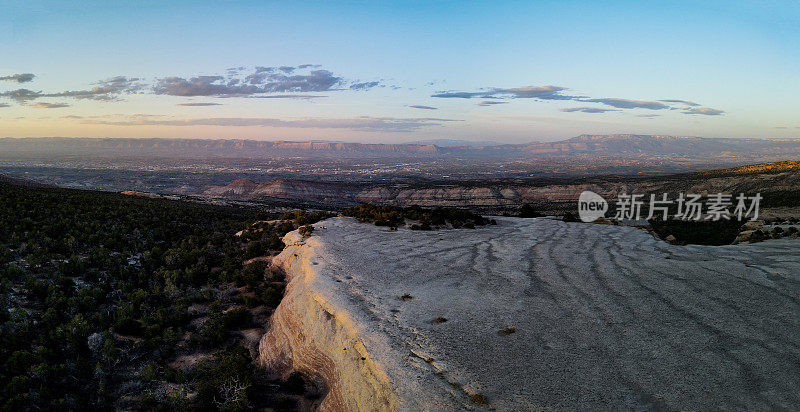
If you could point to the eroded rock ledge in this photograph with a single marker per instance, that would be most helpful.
(309, 334)
(536, 314)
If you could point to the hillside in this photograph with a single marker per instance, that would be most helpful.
(113, 302)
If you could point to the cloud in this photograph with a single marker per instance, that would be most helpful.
(588, 110)
(315, 81)
(548, 92)
(708, 111)
(364, 85)
(419, 106)
(263, 80)
(18, 78)
(45, 105)
(457, 95)
(287, 96)
(365, 123)
(21, 95)
(104, 90)
(490, 103)
(199, 104)
(629, 104)
(686, 102)
(72, 116)
(648, 116)
(4, 105)
(201, 86)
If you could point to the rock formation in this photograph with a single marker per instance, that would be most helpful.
(537, 314)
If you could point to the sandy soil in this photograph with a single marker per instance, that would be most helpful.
(603, 317)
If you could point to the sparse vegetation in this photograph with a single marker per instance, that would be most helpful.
(721, 232)
(306, 230)
(424, 219)
(527, 211)
(507, 331)
(479, 399)
(101, 293)
(569, 217)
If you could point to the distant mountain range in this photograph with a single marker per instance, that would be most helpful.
(627, 145)
(455, 143)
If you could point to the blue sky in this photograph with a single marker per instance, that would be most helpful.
(400, 71)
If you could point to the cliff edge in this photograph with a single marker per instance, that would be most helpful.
(537, 314)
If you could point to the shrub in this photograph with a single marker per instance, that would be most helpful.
(252, 274)
(479, 399)
(394, 216)
(306, 230)
(721, 232)
(569, 217)
(255, 249)
(225, 382)
(527, 211)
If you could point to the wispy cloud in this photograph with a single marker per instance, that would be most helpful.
(490, 102)
(365, 123)
(104, 90)
(629, 104)
(287, 96)
(708, 111)
(198, 104)
(364, 85)
(261, 81)
(21, 95)
(45, 105)
(306, 81)
(588, 110)
(18, 78)
(686, 102)
(548, 92)
(551, 92)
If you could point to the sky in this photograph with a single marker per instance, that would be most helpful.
(399, 71)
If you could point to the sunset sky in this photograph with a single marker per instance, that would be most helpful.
(380, 71)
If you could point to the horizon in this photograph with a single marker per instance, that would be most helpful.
(409, 71)
(425, 142)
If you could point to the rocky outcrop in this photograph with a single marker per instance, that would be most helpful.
(537, 314)
(310, 335)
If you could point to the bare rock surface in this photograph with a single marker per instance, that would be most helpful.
(539, 314)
